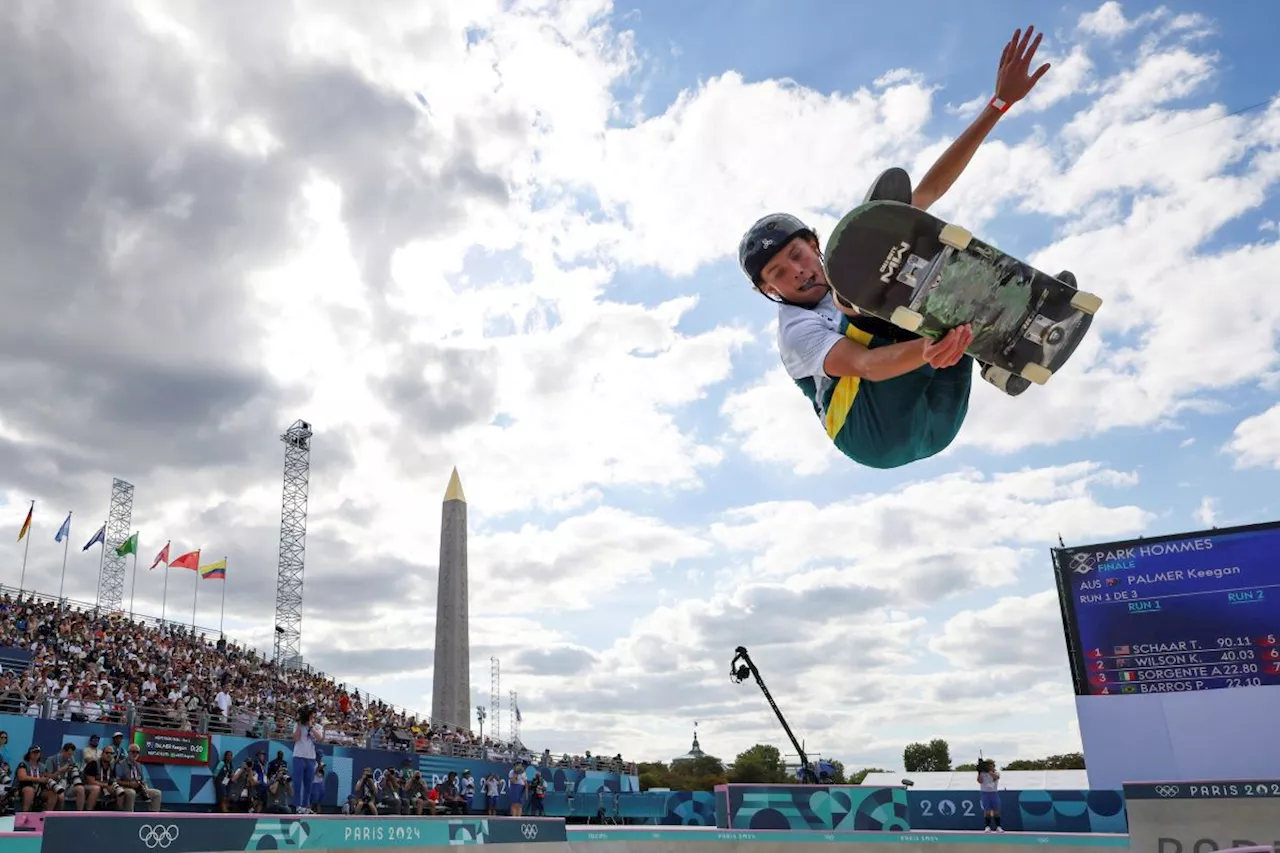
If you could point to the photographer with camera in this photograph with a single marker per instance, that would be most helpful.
(280, 793)
(317, 787)
(133, 777)
(366, 794)
(66, 776)
(305, 738)
(101, 781)
(31, 782)
(415, 793)
(389, 800)
(989, 784)
(242, 789)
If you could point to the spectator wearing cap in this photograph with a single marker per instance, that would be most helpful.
(32, 781)
(133, 777)
(467, 787)
(92, 751)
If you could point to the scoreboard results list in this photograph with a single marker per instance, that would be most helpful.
(1198, 611)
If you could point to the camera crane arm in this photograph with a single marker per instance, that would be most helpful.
(739, 668)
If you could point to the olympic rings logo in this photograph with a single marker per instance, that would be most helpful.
(1167, 790)
(157, 835)
(529, 831)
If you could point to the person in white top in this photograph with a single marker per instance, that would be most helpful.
(305, 738)
(515, 789)
(989, 783)
(491, 794)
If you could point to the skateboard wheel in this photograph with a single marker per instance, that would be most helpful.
(1037, 373)
(905, 318)
(1087, 302)
(955, 237)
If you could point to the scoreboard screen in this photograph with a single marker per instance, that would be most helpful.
(1195, 611)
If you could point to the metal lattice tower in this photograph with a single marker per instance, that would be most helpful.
(119, 528)
(495, 700)
(513, 719)
(293, 544)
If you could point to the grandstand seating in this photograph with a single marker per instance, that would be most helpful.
(91, 666)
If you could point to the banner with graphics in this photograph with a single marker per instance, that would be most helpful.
(174, 833)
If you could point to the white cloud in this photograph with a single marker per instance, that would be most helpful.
(1107, 20)
(1255, 442)
(1014, 631)
(1207, 512)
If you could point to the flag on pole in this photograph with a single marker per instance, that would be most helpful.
(99, 537)
(128, 546)
(519, 719)
(26, 525)
(65, 530)
(190, 560)
(162, 557)
(214, 571)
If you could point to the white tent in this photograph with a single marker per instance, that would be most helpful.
(1010, 780)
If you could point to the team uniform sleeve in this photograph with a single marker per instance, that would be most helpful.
(804, 341)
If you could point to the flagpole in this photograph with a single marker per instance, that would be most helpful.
(195, 595)
(22, 581)
(102, 561)
(223, 615)
(165, 597)
(134, 589)
(66, 546)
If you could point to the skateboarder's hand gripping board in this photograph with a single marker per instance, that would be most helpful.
(848, 358)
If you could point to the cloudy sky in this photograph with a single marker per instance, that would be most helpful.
(501, 235)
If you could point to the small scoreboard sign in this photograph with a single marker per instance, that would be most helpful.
(162, 746)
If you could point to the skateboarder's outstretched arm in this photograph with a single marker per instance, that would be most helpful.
(1013, 83)
(849, 358)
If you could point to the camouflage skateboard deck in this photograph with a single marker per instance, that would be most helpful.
(903, 265)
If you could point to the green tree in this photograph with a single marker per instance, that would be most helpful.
(697, 774)
(837, 769)
(931, 757)
(859, 775)
(971, 767)
(653, 774)
(761, 764)
(1069, 761)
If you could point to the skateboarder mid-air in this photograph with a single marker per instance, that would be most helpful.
(887, 397)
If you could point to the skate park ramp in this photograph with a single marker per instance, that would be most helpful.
(69, 832)
(703, 840)
(1174, 817)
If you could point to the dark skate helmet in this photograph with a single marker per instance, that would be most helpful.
(765, 239)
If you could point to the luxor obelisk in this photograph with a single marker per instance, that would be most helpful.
(451, 681)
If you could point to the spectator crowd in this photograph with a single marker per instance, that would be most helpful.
(89, 666)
